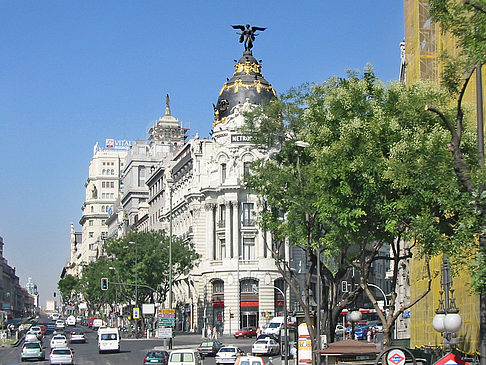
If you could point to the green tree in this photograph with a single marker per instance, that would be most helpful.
(146, 260)
(466, 20)
(375, 171)
(90, 284)
(68, 287)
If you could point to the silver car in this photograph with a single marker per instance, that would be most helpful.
(61, 355)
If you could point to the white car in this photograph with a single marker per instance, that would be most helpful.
(71, 321)
(31, 337)
(60, 324)
(340, 329)
(61, 355)
(228, 354)
(267, 346)
(185, 357)
(58, 341)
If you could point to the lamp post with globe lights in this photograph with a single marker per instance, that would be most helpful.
(353, 316)
(447, 319)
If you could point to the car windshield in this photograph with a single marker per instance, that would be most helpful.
(262, 342)
(227, 349)
(32, 345)
(59, 338)
(61, 352)
(207, 344)
(273, 325)
(108, 336)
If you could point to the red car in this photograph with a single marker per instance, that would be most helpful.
(43, 328)
(246, 332)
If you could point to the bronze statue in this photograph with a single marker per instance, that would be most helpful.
(247, 35)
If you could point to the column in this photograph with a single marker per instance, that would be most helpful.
(209, 231)
(227, 228)
(236, 229)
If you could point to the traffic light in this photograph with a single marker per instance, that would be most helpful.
(104, 283)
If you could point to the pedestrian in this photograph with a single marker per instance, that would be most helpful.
(215, 333)
(208, 332)
(368, 335)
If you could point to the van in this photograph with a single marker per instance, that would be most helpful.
(97, 323)
(273, 327)
(108, 340)
(184, 357)
(71, 321)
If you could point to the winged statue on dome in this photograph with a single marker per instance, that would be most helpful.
(247, 35)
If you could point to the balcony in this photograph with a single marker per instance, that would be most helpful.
(221, 224)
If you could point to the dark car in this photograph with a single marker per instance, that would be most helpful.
(209, 348)
(246, 332)
(156, 357)
(267, 335)
(51, 326)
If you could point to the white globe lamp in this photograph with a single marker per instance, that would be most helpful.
(354, 316)
(438, 322)
(452, 322)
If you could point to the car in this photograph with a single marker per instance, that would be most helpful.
(228, 354)
(71, 321)
(79, 319)
(77, 336)
(156, 357)
(38, 331)
(377, 325)
(51, 326)
(246, 332)
(209, 348)
(61, 355)
(31, 337)
(43, 328)
(55, 316)
(339, 330)
(249, 360)
(184, 357)
(58, 341)
(266, 335)
(265, 346)
(90, 321)
(32, 350)
(60, 324)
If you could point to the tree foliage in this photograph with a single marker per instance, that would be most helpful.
(466, 21)
(146, 261)
(375, 170)
(68, 286)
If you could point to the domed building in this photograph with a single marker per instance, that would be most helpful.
(234, 284)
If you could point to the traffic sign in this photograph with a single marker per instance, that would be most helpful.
(136, 313)
(164, 332)
(166, 322)
(167, 313)
(395, 357)
(451, 359)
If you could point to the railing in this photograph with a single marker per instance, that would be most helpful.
(248, 222)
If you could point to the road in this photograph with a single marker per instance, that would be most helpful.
(132, 350)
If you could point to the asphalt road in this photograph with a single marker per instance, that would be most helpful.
(132, 350)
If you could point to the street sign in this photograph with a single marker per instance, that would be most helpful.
(164, 332)
(395, 357)
(136, 313)
(166, 322)
(167, 313)
(451, 359)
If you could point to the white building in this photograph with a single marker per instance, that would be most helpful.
(102, 191)
(233, 285)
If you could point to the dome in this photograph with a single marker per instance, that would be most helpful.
(246, 84)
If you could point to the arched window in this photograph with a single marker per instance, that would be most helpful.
(218, 287)
(249, 286)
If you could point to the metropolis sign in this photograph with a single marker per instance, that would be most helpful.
(240, 138)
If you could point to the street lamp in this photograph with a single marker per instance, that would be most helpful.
(136, 272)
(447, 320)
(169, 184)
(354, 316)
(286, 360)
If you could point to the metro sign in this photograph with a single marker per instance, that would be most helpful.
(396, 357)
(451, 359)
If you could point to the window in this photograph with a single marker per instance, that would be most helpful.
(91, 234)
(112, 184)
(102, 184)
(103, 208)
(247, 214)
(182, 357)
(92, 209)
(249, 286)
(246, 168)
(222, 248)
(222, 215)
(218, 287)
(141, 176)
(91, 222)
(223, 172)
(92, 246)
(112, 172)
(248, 248)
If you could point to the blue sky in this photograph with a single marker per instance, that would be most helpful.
(73, 73)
